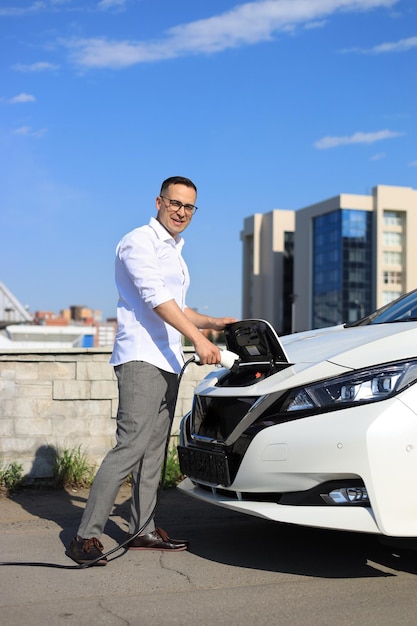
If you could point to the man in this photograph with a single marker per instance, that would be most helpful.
(152, 280)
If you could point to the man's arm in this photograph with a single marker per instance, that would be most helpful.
(206, 321)
(171, 313)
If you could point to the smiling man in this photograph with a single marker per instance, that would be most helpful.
(152, 280)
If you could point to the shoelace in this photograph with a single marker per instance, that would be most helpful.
(92, 543)
(162, 534)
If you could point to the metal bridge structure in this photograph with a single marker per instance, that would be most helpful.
(11, 310)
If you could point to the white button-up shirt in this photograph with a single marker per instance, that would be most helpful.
(149, 271)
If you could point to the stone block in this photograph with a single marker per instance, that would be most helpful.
(71, 390)
(18, 446)
(82, 409)
(27, 371)
(37, 390)
(103, 389)
(8, 388)
(6, 427)
(95, 371)
(33, 427)
(102, 357)
(7, 371)
(57, 371)
(69, 433)
(25, 407)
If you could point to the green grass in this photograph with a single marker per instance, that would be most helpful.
(72, 469)
(11, 476)
(173, 473)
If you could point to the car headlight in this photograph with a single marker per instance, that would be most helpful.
(358, 387)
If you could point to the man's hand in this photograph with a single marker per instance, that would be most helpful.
(208, 352)
(221, 322)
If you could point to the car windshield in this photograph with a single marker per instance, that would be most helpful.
(403, 309)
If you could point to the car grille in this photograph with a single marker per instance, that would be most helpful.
(216, 417)
(205, 465)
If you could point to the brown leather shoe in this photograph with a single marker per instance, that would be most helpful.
(86, 550)
(157, 540)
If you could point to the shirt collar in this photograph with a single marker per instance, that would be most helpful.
(163, 234)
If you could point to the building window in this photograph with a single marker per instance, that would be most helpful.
(389, 296)
(392, 239)
(392, 258)
(393, 218)
(393, 278)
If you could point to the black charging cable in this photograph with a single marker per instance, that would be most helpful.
(138, 532)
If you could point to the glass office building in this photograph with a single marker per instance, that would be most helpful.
(342, 266)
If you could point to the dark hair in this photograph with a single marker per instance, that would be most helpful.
(177, 180)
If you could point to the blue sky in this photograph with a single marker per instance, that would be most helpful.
(266, 104)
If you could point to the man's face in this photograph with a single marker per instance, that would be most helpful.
(175, 219)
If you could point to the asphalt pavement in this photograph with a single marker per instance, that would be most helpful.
(239, 570)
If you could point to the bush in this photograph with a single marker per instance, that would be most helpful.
(71, 469)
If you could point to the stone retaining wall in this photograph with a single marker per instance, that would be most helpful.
(51, 401)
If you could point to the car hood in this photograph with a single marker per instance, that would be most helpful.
(353, 347)
(317, 354)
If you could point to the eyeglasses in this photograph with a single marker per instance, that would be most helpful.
(176, 205)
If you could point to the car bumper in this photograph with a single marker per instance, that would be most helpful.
(354, 519)
(376, 443)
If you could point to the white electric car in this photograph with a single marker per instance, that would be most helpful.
(317, 428)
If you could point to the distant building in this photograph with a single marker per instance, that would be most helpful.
(268, 249)
(32, 336)
(75, 327)
(352, 254)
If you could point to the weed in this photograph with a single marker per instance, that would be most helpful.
(71, 469)
(173, 472)
(11, 476)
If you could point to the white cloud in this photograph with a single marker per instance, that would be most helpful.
(317, 24)
(111, 4)
(20, 11)
(54, 5)
(403, 45)
(245, 24)
(399, 46)
(378, 156)
(359, 137)
(21, 98)
(27, 131)
(413, 164)
(40, 66)
(23, 130)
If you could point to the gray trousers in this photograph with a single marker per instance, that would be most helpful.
(146, 404)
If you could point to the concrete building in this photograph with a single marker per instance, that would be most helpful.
(352, 254)
(268, 268)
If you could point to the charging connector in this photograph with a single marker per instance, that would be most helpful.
(228, 359)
